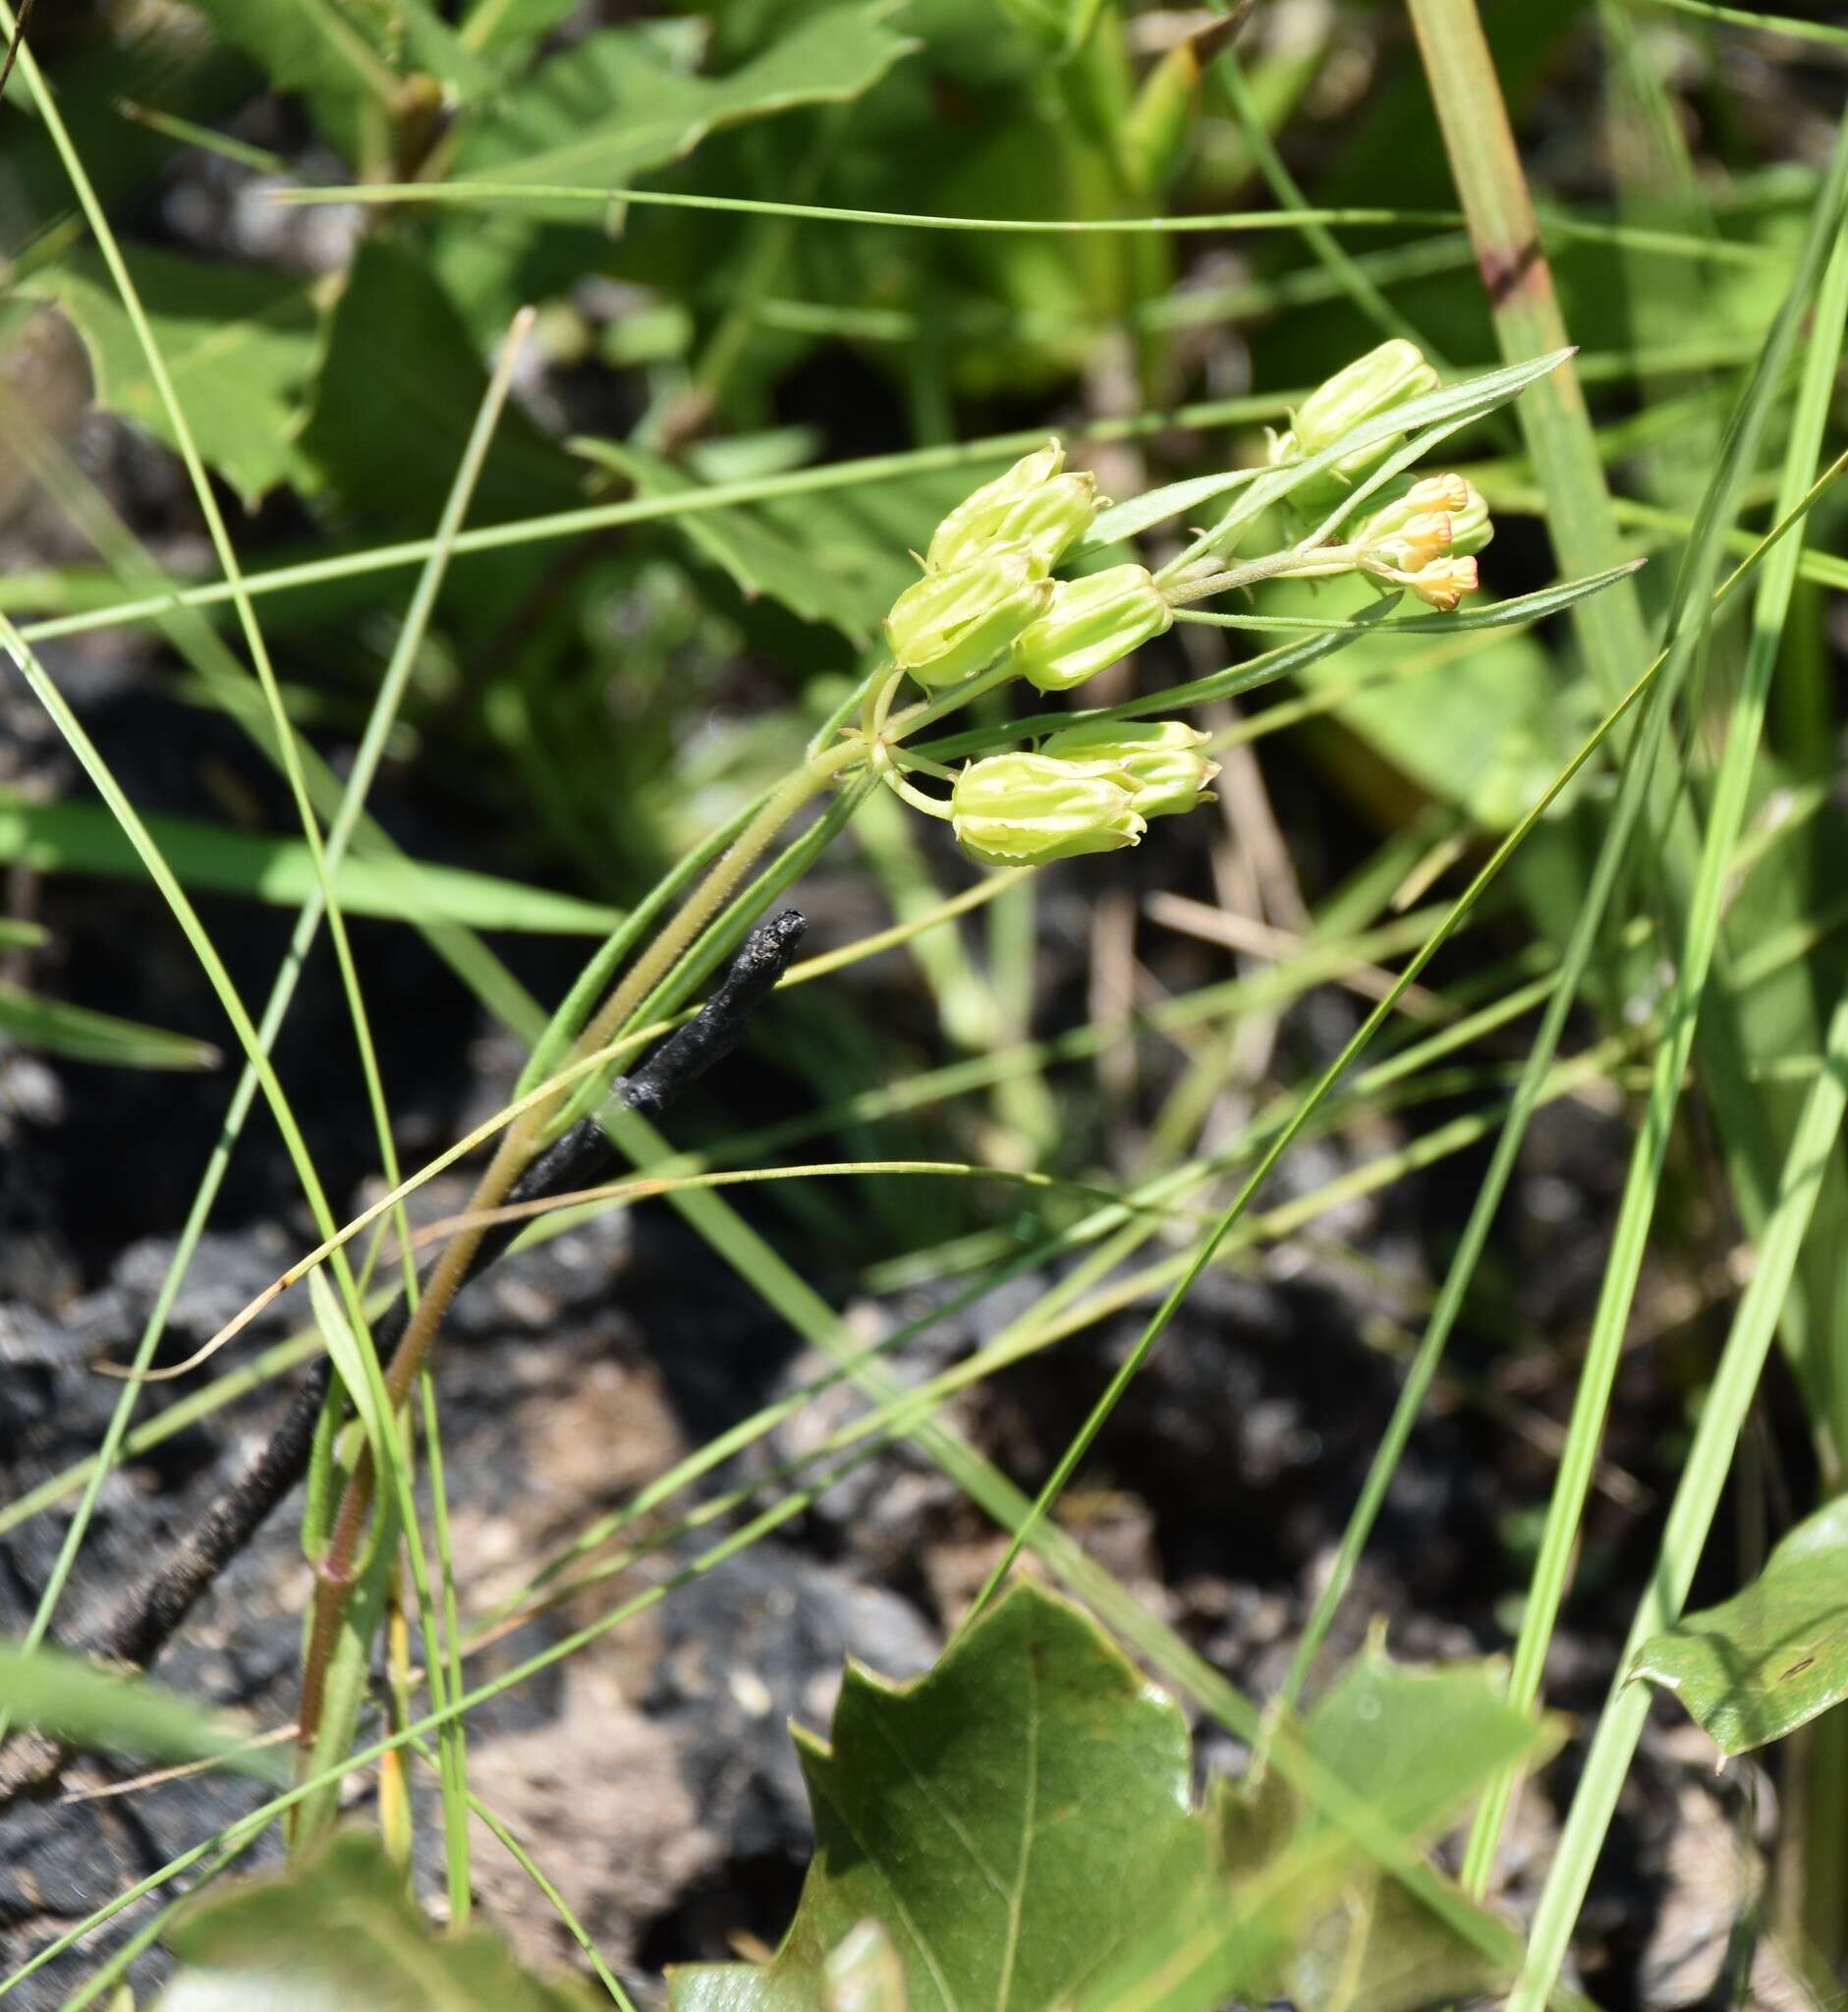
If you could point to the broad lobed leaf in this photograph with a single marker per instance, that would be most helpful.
(1760, 1664)
(238, 345)
(617, 104)
(339, 1932)
(1019, 1822)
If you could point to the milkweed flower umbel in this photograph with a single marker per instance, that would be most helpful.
(1445, 513)
(1024, 810)
(1424, 539)
(988, 612)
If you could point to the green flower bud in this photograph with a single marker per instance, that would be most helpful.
(1154, 760)
(948, 624)
(1024, 810)
(1469, 526)
(1386, 377)
(1092, 623)
(1375, 383)
(1152, 140)
(1031, 505)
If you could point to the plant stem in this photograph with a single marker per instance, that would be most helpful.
(334, 1575)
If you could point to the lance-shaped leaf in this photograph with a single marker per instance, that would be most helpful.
(86, 1035)
(1154, 506)
(1768, 1661)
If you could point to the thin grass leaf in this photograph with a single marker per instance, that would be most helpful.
(1723, 1418)
(1697, 1498)
(80, 838)
(1790, 25)
(72, 1701)
(82, 1035)
(615, 200)
(1514, 612)
(1688, 622)
(569, 523)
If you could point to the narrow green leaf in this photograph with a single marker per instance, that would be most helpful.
(81, 838)
(1769, 1660)
(350, 1367)
(1508, 614)
(83, 1036)
(71, 1700)
(1154, 506)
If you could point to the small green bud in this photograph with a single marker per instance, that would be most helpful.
(1153, 138)
(1090, 624)
(1031, 505)
(948, 624)
(1375, 383)
(1387, 376)
(1024, 810)
(1155, 759)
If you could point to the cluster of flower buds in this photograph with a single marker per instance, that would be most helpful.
(988, 610)
(988, 588)
(988, 602)
(1424, 537)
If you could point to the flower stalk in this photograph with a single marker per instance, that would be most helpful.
(988, 611)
